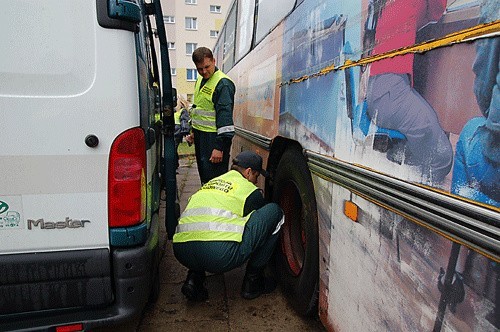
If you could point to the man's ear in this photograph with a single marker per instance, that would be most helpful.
(248, 172)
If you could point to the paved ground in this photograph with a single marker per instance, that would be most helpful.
(225, 310)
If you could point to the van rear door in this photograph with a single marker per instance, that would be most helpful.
(58, 85)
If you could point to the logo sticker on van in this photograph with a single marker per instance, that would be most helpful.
(3, 207)
(9, 219)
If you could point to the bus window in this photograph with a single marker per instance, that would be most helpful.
(245, 27)
(269, 15)
(229, 37)
(219, 47)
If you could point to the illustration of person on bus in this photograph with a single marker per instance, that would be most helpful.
(476, 171)
(393, 102)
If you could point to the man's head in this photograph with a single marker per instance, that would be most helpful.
(204, 61)
(249, 164)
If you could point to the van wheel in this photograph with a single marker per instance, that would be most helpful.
(297, 257)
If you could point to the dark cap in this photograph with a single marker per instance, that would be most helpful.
(249, 159)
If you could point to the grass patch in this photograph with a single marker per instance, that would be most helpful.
(185, 149)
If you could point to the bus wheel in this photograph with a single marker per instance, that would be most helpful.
(297, 257)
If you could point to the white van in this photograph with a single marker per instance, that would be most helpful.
(79, 162)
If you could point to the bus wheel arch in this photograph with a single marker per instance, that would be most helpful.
(297, 254)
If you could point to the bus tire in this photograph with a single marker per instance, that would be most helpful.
(297, 253)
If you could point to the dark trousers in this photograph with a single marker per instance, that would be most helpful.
(257, 245)
(204, 143)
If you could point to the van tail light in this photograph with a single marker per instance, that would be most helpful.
(70, 328)
(127, 179)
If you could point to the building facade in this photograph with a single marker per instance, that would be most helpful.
(191, 24)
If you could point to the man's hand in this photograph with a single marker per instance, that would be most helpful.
(216, 156)
(189, 139)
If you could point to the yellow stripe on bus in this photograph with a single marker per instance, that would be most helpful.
(467, 35)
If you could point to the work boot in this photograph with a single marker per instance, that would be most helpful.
(193, 288)
(256, 283)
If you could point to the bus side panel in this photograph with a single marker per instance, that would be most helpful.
(386, 270)
(257, 78)
(324, 200)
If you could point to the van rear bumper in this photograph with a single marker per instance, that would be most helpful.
(133, 271)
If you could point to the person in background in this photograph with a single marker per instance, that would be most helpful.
(211, 116)
(182, 125)
(226, 223)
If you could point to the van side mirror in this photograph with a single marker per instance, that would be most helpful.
(124, 10)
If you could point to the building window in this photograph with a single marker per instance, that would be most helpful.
(215, 9)
(190, 47)
(168, 19)
(214, 33)
(173, 71)
(191, 23)
(191, 74)
(190, 2)
(171, 45)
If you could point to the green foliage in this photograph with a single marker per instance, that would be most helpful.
(185, 149)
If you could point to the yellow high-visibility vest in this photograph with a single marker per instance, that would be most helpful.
(177, 117)
(203, 116)
(215, 212)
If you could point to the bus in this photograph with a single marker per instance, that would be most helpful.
(378, 121)
(86, 109)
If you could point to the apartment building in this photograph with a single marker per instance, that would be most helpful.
(191, 24)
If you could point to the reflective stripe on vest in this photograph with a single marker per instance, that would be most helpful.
(210, 226)
(215, 212)
(203, 116)
(226, 129)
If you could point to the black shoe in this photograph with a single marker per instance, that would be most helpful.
(193, 287)
(255, 284)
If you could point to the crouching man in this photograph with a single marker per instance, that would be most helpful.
(226, 223)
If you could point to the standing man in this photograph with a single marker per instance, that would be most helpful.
(226, 223)
(211, 116)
